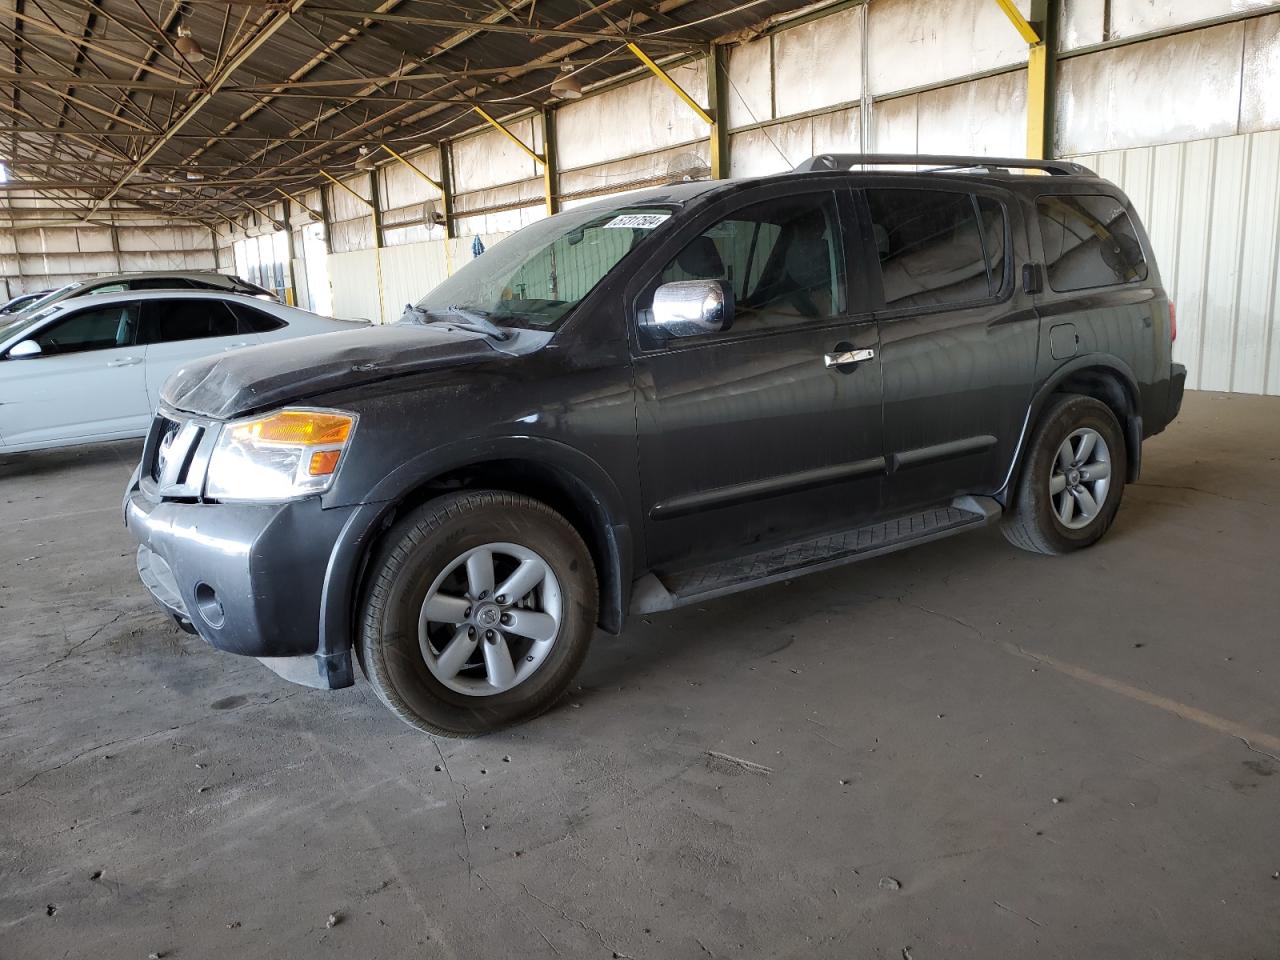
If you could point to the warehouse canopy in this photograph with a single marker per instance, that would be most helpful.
(203, 108)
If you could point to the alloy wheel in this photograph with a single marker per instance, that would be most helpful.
(1080, 478)
(490, 619)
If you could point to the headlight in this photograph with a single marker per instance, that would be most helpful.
(287, 454)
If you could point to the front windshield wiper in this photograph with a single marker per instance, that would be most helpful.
(467, 320)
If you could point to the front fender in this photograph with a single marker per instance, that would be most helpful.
(347, 561)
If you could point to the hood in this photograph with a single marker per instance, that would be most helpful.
(231, 384)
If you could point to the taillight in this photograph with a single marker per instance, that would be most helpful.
(1173, 322)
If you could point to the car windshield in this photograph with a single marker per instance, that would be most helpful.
(19, 322)
(30, 308)
(536, 276)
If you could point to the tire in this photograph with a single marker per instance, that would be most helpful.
(1036, 521)
(420, 558)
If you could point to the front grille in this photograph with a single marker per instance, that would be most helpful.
(177, 454)
(165, 431)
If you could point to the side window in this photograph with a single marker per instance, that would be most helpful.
(255, 321)
(937, 247)
(1089, 241)
(783, 258)
(160, 283)
(168, 321)
(105, 288)
(98, 328)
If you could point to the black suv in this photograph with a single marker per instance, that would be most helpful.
(654, 400)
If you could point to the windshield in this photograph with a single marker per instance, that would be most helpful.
(16, 323)
(30, 308)
(536, 276)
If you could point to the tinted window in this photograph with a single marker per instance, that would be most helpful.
(255, 321)
(783, 258)
(240, 286)
(167, 321)
(1089, 241)
(938, 247)
(161, 283)
(105, 288)
(100, 328)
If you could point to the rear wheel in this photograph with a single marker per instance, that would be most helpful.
(1072, 480)
(480, 611)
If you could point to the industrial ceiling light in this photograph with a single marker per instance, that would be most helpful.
(365, 160)
(187, 46)
(567, 86)
(194, 175)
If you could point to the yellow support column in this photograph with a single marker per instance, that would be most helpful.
(510, 136)
(678, 90)
(1037, 101)
(1040, 34)
(415, 169)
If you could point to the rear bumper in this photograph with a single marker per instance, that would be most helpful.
(248, 578)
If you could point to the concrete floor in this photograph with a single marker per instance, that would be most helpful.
(911, 718)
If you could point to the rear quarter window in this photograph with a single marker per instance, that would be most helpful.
(1089, 241)
(255, 321)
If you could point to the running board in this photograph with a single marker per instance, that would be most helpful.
(665, 591)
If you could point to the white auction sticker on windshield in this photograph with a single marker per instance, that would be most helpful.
(636, 221)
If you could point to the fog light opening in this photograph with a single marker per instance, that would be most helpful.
(208, 605)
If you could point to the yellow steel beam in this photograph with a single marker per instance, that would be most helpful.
(1037, 79)
(338, 183)
(413, 168)
(1019, 22)
(266, 216)
(1037, 100)
(675, 87)
(315, 213)
(510, 136)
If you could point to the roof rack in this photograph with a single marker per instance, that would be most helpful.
(940, 163)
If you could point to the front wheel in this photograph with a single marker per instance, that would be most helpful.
(1072, 479)
(480, 611)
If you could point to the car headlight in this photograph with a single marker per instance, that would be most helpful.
(283, 455)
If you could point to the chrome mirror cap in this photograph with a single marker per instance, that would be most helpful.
(692, 308)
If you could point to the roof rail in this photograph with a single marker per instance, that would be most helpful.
(940, 163)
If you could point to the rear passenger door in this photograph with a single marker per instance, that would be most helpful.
(957, 337)
(177, 330)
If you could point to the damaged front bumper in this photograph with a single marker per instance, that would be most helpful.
(247, 578)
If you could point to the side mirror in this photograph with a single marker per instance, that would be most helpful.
(24, 348)
(692, 308)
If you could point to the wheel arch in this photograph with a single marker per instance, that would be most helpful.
(562, 477)
(1106, 379)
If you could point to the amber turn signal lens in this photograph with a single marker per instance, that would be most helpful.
(297, 427)
(323, 462)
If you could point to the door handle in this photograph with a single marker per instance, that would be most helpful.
(124, 362)
(234, 346)
(847, 357)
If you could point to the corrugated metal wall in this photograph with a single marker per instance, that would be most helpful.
(376, 284)
(38, 258)
(938, 76)
(1212, 208)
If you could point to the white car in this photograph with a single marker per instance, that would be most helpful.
(90, 368)
(159, 280)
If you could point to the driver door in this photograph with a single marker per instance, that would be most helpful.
(755, 435)
(87, 383)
